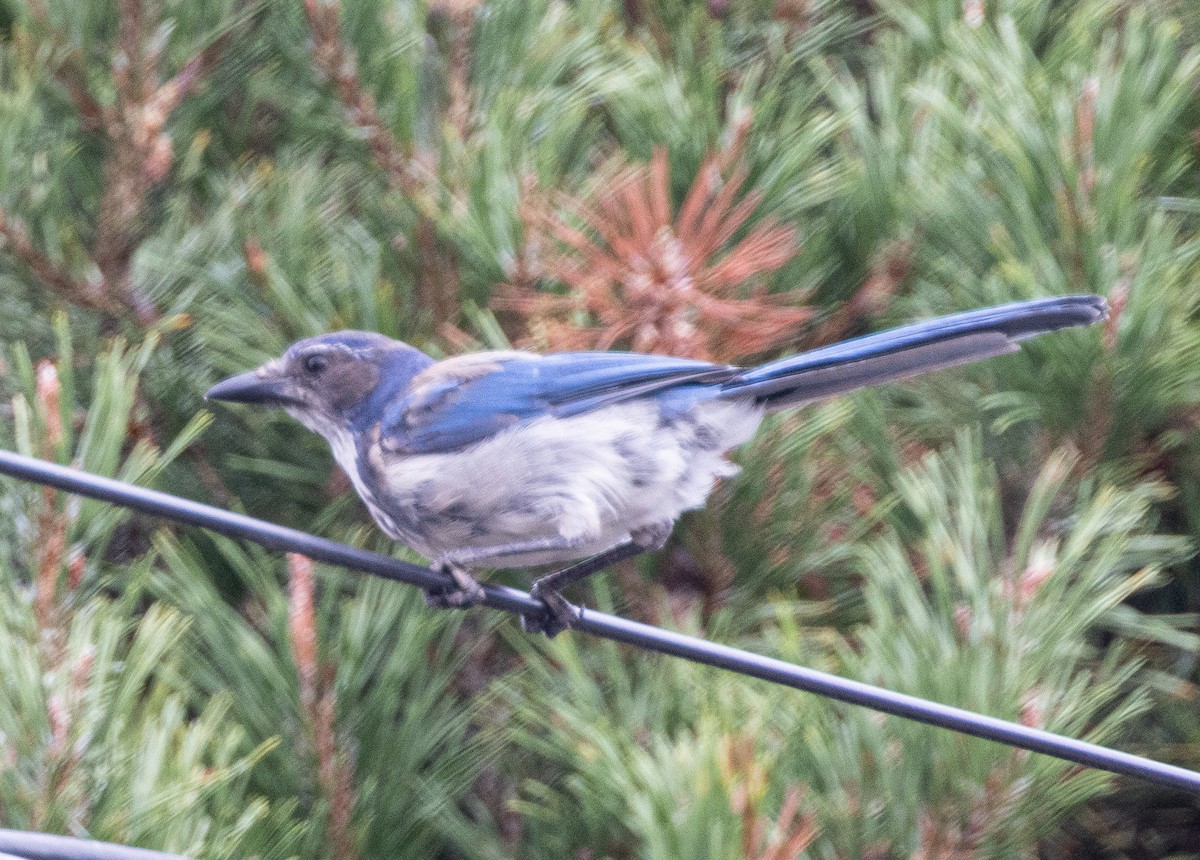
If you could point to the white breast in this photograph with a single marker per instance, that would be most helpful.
(590, 479)
(345, 454)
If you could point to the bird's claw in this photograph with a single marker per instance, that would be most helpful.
(463, 594)
(451, 598)
(558, 615)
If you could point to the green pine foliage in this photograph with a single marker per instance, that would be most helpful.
(100, 733)
(187, 188)
(957, 610)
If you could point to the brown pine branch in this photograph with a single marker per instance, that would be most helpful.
(194, 71)
(644, 276)
(86, 293)
(141, 151)
(302, 627)
(889, 271)
(69, 71)
(52, 612)
(437, 281)
(51, 525)
(338, 64)
(744, 777)
(140, 155)
(318, 705)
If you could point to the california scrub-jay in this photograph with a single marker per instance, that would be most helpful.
(508, 459)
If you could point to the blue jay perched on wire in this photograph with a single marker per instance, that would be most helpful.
(509, 459)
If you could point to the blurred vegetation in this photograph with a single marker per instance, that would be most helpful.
(186, 188)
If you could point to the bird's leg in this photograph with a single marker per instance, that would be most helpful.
(466, 592)
(561, 615)
(463, 594)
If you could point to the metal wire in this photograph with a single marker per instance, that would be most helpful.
(600, 624)
(43, 846)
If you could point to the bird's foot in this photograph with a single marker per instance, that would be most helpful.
(558, 615)
(463, 594)
(652, 536)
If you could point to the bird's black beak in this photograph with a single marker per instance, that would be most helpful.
(254, 387)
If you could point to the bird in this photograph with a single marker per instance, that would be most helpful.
(506, 458)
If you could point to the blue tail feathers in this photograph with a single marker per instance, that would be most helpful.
(898, 353)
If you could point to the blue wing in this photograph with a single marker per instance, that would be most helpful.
(464, 400)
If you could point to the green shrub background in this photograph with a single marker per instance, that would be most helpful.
(186, 188)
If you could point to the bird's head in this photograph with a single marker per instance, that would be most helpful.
(325, 381)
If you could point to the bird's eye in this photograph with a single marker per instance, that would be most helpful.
(316, 363)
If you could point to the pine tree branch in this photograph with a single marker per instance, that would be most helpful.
(141, 151)
(318, 705)
(195, 70)
(140, 154)
(70, 72)
(338, 64)
(437, 281)
(85, 293)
